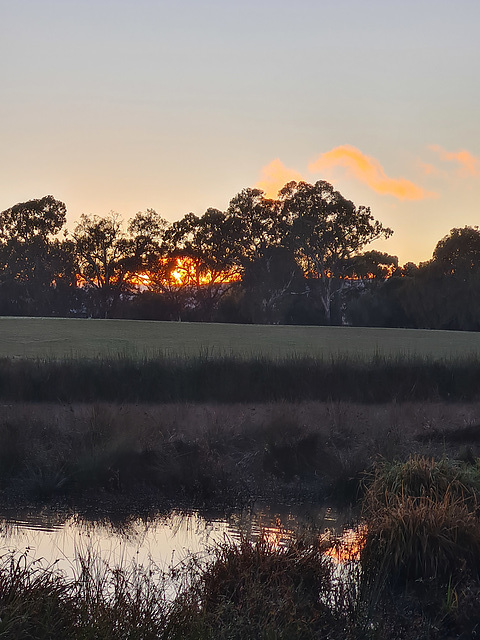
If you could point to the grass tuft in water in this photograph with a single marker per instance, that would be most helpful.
(422, 520)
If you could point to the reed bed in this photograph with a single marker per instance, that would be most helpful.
(233, 380)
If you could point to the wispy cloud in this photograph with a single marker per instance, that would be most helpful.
(469, 165)
(368, 170)
(274, 176)
(427, 168)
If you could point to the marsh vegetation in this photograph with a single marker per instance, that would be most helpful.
(414, 573)
(217, 454)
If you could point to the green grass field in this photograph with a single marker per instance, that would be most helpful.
(60, 338)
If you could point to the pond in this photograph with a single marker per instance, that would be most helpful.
(163, 540)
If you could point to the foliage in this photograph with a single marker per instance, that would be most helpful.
(439, 294)
(256, 221)
(37, 269)
(195, 261)
(324, 231)
(458, 252)
(42, 218)
(297, 259)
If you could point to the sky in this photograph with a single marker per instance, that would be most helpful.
(124, 105)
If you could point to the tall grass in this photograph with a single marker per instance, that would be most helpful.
(228, 379)
(39, 602)
(422, 520)
(258, 590)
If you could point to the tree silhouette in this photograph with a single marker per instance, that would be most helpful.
(37, 273)
(458, 252)
(202, 259)
(324, 230)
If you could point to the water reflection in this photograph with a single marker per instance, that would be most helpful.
(346, 547)
(163, 540)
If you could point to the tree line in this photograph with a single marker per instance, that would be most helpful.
(299, 259)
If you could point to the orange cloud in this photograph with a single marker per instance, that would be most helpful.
(369, 171)
(276, 175)
(427, 168)
(469, 164)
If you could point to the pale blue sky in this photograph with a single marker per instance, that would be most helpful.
(123, 105)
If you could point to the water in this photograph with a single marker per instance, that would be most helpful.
(164, 540)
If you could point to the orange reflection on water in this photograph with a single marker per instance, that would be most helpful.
(274, 535)
(348, 546)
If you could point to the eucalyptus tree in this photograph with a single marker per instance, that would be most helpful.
(458, 253)
(324, 230)
(200, 260)
(272, 283)
(372, 266)
(37, 267)
(110, 258)
(444, 294)
(255, 223)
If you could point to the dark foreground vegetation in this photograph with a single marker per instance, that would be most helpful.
(232, 380)
(416, 576)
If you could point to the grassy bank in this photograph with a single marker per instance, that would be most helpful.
(233, 380)
(416, 576)
(210, 454)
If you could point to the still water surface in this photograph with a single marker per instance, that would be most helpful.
(163, 540)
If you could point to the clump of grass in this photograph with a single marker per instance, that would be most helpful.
(422, 520)
(119, 602)
(35, 603)
(421, 476)
(422, 539)
(258, 590)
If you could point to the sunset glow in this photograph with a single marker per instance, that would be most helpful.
(140, 280)
(358, 93)
(187, 272)
(183, 271)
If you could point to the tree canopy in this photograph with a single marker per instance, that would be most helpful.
(302, 257)
(37, 268)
